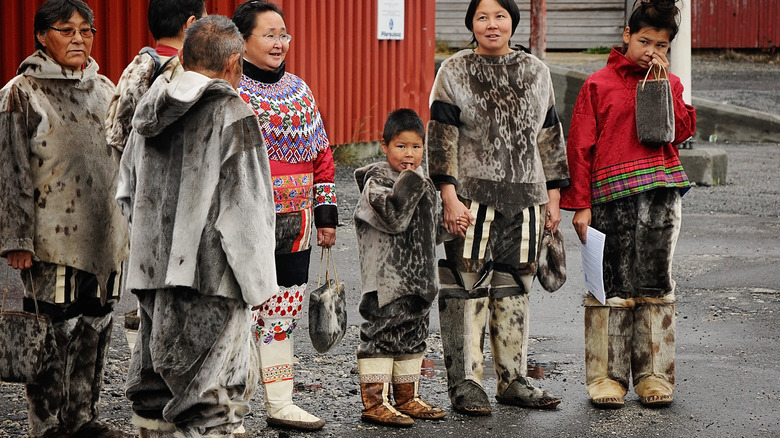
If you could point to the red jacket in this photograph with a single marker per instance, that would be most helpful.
(606, 159)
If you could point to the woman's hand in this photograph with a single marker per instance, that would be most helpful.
(553, 214)
(326, 237)
(581, 222)
(457, 217)
(19, 260)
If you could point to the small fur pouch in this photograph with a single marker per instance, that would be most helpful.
(552, 261)
(654, 109)
(27, 342)
(327, 309)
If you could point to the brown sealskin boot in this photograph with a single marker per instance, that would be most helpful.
(652, 354)
(375, 374)
(406, 386)
(608, 332)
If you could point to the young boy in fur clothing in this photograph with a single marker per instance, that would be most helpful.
(395, 221)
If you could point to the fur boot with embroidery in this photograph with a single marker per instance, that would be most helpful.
(406, 387)
(375, 378)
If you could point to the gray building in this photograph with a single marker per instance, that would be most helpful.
(571, 25)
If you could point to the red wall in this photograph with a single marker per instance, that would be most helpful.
(355, 78)
(735, 24)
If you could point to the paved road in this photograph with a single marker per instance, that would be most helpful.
(728, 350)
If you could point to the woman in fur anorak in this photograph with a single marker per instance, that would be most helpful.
(303, 174)
(497, 154)
(59, 224)
(631, 192)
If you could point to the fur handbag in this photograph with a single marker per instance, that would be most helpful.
(654, 109)
(327, 308)
(26, 342)
(552, 261)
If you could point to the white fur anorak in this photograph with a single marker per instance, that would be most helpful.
(58, 173)
(194, 180)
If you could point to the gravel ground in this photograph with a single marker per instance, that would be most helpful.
(327, 384)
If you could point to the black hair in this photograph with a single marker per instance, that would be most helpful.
(509, 5)
(167, 17)
(400, 120)
(55, 10)
(246, 14)
(209, 43)
(658, 14)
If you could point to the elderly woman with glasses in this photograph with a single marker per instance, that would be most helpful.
(303, 174)
(59, 224)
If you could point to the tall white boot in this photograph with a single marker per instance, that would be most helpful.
(276, 368)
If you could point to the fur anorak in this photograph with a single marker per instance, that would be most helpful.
(395, 222)
(494, 131)
(134, 82)
(606, 158)
(58, 173)
(194, 179)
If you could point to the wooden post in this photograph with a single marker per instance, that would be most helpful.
(538, 40)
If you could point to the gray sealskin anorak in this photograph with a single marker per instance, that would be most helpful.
(195, 182)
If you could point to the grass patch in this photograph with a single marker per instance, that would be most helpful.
(601, 50)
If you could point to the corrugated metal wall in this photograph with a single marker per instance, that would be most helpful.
(355, 78)
(721, 24)
(735, 24)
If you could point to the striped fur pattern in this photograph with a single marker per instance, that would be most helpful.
(496, 241)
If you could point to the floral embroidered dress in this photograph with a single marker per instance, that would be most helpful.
(301, 161)
(302, 172)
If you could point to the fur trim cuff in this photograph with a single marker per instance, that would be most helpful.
(590, 301)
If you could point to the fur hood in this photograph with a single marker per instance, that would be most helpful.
(167, 101)
(39, 65)
(58, 173)
(198, 195)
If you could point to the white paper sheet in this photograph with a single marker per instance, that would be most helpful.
(592, 263)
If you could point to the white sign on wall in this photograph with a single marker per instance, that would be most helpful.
(390, 19)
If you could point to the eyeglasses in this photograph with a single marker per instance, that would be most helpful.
(68, 32)
(271, 38)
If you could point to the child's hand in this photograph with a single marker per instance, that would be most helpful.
(659, 59)
(457, 217)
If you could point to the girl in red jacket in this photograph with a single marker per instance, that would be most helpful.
(631, 192)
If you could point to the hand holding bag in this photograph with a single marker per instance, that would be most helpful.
(327, 308)
(552, 261)
(26, 342)
(654, 109)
